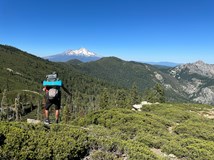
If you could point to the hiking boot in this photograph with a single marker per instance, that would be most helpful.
(47, 121)
(57, 121)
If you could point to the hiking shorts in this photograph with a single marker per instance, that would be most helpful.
(49, 103)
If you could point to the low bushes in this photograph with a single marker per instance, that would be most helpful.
(115, 134)
(24, 141)
(174, 128)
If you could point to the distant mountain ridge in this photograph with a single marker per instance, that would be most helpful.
(199, 67)
(116, 70)
(188, 82)
(85, 55)
(196, 80)
(127, 73)
(192, 82)
(81, 54)
(168, 64)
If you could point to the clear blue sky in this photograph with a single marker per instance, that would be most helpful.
(142, 30)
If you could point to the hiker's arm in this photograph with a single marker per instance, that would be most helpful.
(65, 89)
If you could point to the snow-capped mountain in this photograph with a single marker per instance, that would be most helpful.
(81, 54)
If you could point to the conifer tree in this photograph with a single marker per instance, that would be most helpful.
(104, 99)
(156, 94)
(65, 114)
(160, 93)
(134, 96)
(67, 110)
(121, 99)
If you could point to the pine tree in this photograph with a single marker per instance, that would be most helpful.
(134, 96)
(149, 95)
(68, 110)
(121, 99)
(156, 94)
(104, 99)
(160, 93)
(65, 114)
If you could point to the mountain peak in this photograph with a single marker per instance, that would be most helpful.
(199, 67)
(200, 62)
(80, 52)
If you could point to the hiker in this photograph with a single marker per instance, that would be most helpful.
(53, 95)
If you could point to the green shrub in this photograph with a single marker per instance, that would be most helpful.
(192, 148)
(101, 155)
(25, 141)
(200, 129)
(114, 134)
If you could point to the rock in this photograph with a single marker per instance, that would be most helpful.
(145, 103)
(33, 121)
(172, 156)
(137, 107)
(158, 76)
(205, 96)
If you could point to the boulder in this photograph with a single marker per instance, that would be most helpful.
(33, 121)
(137, 107)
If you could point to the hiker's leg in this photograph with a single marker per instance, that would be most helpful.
(47, 106)
(46, 114)
(57, 115)
(57, 108)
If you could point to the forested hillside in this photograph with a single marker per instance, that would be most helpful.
(119, 72)
(22, 75)
(126, 73)
(191, 82)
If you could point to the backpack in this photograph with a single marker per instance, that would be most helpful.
(52, 93)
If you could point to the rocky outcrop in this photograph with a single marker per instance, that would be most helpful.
(196, 80)
(137, 107)
(199, 67)
(205, 96)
